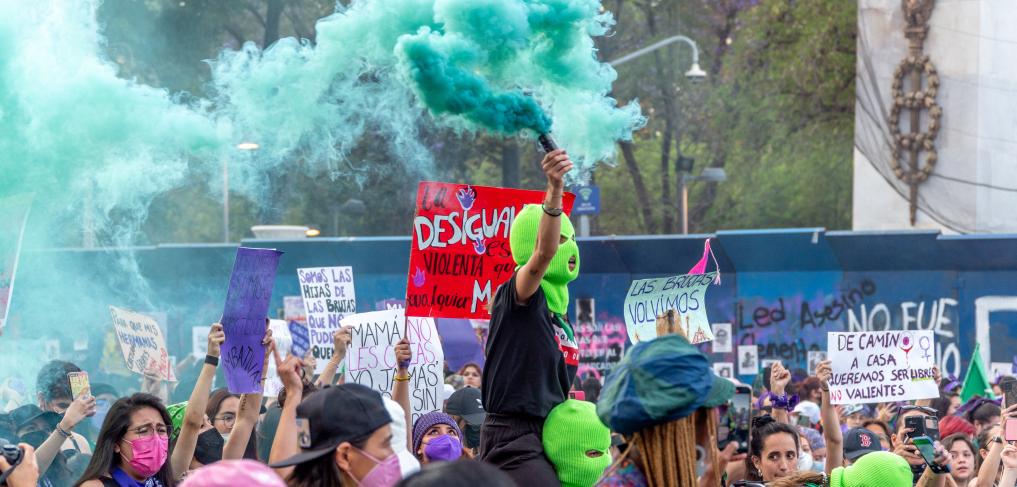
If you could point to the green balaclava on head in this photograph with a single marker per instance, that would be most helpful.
(523, 242)
(572, 433)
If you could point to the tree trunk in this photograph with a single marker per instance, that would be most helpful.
(649, 225)
(510, 163)
(272, 16)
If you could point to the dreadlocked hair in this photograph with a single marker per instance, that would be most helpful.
(706, 434)
(802, 479)
(667, 453)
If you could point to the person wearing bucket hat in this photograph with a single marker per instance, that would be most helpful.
(577, 443)
(662, 397)
(532, 356)
(343, 433)
(876, 469)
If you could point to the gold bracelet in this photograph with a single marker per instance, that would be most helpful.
(405, 378)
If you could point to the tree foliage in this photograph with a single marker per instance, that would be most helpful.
(776, 112)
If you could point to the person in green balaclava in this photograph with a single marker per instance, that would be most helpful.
(532, 355)
(577, 443)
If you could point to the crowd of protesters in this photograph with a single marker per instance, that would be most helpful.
(654, 421)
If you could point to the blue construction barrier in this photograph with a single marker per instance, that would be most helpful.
(781, 289)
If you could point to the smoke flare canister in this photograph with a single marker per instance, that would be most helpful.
(547, 143)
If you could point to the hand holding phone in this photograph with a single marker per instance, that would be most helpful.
(1009, 399)
(932, 453)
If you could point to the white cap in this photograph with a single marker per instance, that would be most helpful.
(407, 462)
(808, 409)
(449, 390)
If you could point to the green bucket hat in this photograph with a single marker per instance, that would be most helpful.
(876, 469)
(659, 381)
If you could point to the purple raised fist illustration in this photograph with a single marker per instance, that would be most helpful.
(419, 277)
(480, 246)
(466, 196)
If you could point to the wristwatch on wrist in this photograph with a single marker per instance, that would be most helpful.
(939, 469)
(551, 211)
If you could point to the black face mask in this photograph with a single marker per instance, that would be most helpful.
(35, 438)
(472, 434)
(209, 447)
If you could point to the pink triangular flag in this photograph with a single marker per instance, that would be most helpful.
(700, 267)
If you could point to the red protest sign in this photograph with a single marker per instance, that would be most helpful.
(460, 250)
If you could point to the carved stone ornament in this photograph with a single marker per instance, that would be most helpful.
(924, 84)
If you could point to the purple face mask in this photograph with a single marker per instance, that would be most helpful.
(444, 448)
(386, 473)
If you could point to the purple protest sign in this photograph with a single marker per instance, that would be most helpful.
(244, 318)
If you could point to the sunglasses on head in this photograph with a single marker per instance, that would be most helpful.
(909, 407)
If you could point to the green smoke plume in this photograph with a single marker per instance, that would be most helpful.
(96, 148)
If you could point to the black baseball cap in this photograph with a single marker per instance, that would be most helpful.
(466, 403)
(858, 442)
(28, 413)
(336, 414)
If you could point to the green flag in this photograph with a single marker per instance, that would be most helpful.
(976, 382)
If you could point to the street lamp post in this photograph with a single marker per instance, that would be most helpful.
(695, 73)
(709, 175)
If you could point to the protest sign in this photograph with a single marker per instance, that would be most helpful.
(724, 369)
(141, 343)
(15, 215)
(293, 309)
(686, 294)
(815, 357)
(722, 338)
(199, 341)
(301, 339)
(243, 318)
(328, 298)
(283, 341)
(370, 358)
(748, 359)
(460, 252)
(882, 366)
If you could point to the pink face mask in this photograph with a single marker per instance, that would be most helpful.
(386, 473)
(149, 454)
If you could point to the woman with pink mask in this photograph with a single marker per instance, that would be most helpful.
(133, 446)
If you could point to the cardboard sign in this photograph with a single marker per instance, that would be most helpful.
(748, 359)
(79, 383)
(815, 357)
(370, 358)
(301, 339)
(243, 319)
(328, 298)
(882, 366)
(648, 298)
(15, 215)
(460, 253)
(284, 341)
(141, 343)
(199, 341)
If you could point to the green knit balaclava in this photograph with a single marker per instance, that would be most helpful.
(523, 241)
(572, 430)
